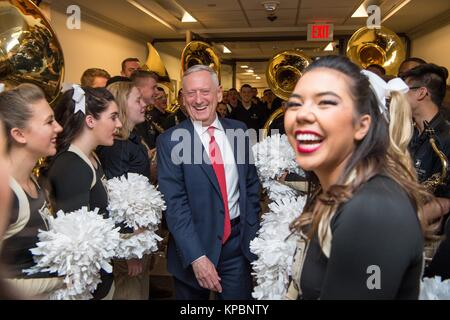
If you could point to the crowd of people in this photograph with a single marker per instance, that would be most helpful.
(378, 192)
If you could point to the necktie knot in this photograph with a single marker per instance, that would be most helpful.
(211, 133)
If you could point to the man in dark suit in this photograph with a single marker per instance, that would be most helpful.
(212, 194)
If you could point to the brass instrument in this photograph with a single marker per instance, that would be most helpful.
(29, 52)
(283, 72)
(29, 49)
(376, 46)
(154, 63)
(439, 178)
(433, 182)
(198, 52)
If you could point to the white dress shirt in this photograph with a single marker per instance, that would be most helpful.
(230, 167)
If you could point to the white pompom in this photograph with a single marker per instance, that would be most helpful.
(275, 156)
(137, 203)
(76, 246)
(274, 245)
(434, 289)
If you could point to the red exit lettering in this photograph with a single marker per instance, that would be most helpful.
(320, 31)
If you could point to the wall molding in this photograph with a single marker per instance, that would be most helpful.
(429, 26)
(101, 21)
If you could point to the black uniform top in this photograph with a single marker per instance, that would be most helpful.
(125, 156)
(425, 159)
(254, 117)
(427, 163)
(377, 227)
(152, 127)
(70, 179)
(15, 251)
(174, 119)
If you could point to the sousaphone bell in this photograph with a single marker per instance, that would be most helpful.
(283, 72)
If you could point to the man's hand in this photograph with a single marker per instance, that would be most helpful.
(135, 267)
(206, 274)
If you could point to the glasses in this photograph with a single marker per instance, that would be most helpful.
(414, 88)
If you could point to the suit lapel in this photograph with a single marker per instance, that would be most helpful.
(207, 168)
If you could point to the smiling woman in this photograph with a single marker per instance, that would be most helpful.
(31, 134)
(90, 118)
(341, 137)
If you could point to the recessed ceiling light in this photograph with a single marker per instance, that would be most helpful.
(226, 50)
(361, 12)
(188, 18)
(329, 47)
(244, 67)
(250, 70)
(258, 78)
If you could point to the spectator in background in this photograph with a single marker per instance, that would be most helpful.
(222, 110)
(95, 78)
(129, 65)
(377, 69)
(233, 100)
(409, 64)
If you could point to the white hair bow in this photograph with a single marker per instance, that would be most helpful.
(80, 99)
(383, 89)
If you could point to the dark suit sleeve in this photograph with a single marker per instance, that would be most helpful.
(71, 181)
(178, 214)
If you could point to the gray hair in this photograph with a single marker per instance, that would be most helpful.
(201, 67)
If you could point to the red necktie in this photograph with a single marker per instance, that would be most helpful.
(217, 163)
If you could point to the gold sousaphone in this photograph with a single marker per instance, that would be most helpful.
(282, 74)
(29, 49)
(199, 52)
(376, 46)
(154, 63)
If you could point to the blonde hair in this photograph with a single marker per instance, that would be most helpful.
(121, 91)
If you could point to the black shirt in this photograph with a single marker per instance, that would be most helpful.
(425, 159)
(254, 117)
(15, 251)
(379, 227)
(70, 178)
(125, 156)
(174, 119)
(152, 127)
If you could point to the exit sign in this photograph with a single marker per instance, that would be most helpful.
(320, 32)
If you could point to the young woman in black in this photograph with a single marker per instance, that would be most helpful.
(31, 134)
(90, 118)
(128, 155)
(363, 222)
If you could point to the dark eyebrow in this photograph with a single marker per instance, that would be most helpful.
(294, 95)
(327, 93)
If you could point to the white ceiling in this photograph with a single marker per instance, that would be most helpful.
(242, 24)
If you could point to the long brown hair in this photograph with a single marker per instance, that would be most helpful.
(376, 154)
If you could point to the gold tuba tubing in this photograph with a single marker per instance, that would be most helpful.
(282, 74)
(376, 46)
(29, 49)
(198, 52)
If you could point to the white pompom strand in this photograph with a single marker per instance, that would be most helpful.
(434, 289)
(138, 245)
(76, 246)
(135, 201)
(275, 247)
(275, 156)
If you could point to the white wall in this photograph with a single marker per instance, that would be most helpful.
(434, 47)
(93, 47)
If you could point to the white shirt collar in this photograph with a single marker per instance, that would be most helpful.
(201, 129)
